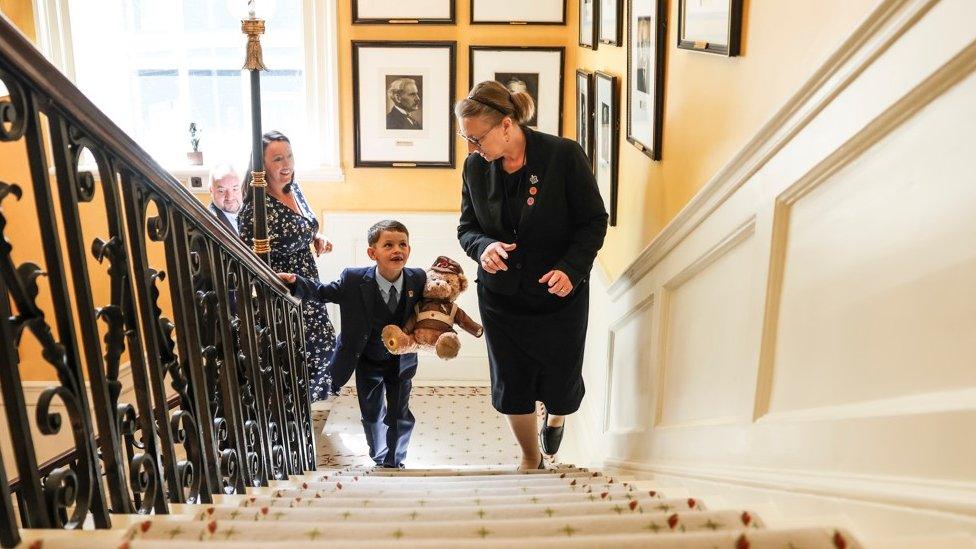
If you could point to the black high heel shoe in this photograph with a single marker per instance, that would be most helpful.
(550, 437)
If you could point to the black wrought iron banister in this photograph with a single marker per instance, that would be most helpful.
(41, 75)
(233, 352)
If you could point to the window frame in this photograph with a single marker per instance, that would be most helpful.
(54, 39)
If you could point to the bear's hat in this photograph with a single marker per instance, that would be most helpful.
(445, 264)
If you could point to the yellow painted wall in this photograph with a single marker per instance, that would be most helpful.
(425, 189)
(24, 235)
(21, 215)
(713, 105)
(21, 12)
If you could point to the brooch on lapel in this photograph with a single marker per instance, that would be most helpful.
(533, 190)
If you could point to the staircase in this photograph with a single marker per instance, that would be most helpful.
(434, 505)
(564, 506)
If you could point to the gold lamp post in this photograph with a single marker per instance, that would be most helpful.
(253, 27)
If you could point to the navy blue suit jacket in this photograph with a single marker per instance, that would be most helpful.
(356, 293)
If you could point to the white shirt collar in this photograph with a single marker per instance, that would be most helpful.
(232, 218)
(385, 285)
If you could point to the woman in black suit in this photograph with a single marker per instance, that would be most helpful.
(532, 216)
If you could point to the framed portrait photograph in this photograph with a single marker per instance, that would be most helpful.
(518, 12)
(403, 93)
(431, 12)
(611, 22)
(537, 70)
(606, 133)
(588, 23)
(711, 26)
(584, 112)
(646, 36)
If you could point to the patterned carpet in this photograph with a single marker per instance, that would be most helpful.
(456, 427)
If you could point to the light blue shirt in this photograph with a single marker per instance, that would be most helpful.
(385, 286)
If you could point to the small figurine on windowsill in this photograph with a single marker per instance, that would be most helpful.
(195, 157)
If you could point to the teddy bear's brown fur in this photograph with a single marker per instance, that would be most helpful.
(431, 327)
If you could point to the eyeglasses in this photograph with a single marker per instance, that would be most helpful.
(476, 141)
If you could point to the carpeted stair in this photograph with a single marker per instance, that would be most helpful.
(559, 507)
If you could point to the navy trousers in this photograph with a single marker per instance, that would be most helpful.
(384, 398)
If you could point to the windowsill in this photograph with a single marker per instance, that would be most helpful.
(317, 174)
(200, 175)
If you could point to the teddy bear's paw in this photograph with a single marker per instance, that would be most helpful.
(393, 338)
(447, 346)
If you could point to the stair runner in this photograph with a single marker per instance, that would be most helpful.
(564, 507)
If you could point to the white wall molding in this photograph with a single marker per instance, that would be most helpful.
(872, 38)
(946, 496)
(629, 316)
(48, 446)
(815, 302)
(33, 389)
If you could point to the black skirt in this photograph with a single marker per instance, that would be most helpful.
(535, 349)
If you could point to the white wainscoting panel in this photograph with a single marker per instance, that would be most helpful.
(813, 308)
(877, 293)
(431, 234)
(710, 351)
(630, 348)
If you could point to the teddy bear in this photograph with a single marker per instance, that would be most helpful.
(431, 327)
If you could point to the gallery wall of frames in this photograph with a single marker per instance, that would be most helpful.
(640, 26)
(403, 90)
(414, 58)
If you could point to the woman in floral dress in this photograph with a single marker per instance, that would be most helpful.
(293, 231)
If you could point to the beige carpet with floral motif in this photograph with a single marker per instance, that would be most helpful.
(456, 427)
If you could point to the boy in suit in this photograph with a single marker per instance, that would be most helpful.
(369, 298)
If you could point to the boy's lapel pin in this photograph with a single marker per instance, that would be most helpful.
(410, 293)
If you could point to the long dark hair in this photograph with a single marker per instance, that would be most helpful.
(266, 139)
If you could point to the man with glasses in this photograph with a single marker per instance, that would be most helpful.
(533, 217)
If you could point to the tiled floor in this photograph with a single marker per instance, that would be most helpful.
(456, 427)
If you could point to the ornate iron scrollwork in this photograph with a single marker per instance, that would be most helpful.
(229, 344)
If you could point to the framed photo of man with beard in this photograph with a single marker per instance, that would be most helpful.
(646, 36)
(536, 70)
(402, 99)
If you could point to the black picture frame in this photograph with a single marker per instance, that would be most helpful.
(589, 31)
(584, 112)
(473, 71)
(733, 32)
(444, 111)
(616, 27)
(606, 139)
(515, 21)
(639, 82)
(450, 20)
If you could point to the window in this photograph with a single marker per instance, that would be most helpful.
(155, 66)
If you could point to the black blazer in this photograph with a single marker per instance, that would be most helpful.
(563, 229)
(223, 218)
(396, 120)
(356, 293)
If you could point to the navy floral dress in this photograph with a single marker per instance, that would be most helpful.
(291, 237)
